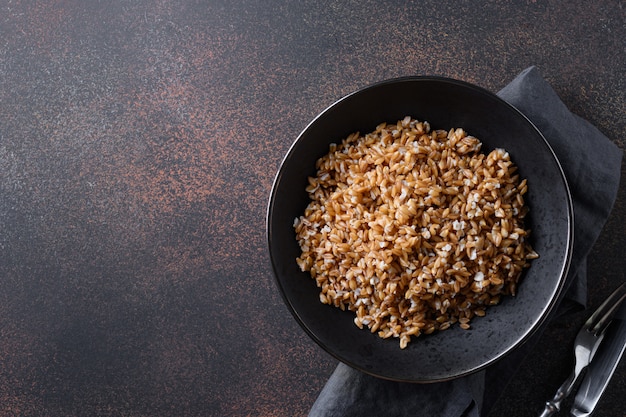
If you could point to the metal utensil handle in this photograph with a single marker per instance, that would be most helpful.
(554, 405)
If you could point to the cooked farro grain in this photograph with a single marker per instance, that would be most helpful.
(414, 230)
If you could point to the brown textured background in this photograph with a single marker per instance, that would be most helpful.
(138, 144)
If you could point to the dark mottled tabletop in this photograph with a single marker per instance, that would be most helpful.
(138, 144)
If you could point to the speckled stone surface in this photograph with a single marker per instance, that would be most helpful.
(138, 144)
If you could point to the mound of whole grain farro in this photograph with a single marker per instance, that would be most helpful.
(414, 230)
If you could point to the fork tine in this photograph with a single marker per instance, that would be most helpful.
(601, 318)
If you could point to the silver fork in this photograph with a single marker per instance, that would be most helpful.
(587, 341)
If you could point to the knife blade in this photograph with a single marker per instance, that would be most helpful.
(602, 367)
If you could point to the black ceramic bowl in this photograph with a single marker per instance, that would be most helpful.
(445, 104)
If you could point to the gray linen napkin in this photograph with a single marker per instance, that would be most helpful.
(592, 167)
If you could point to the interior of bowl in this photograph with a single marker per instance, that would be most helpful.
(445, 104)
